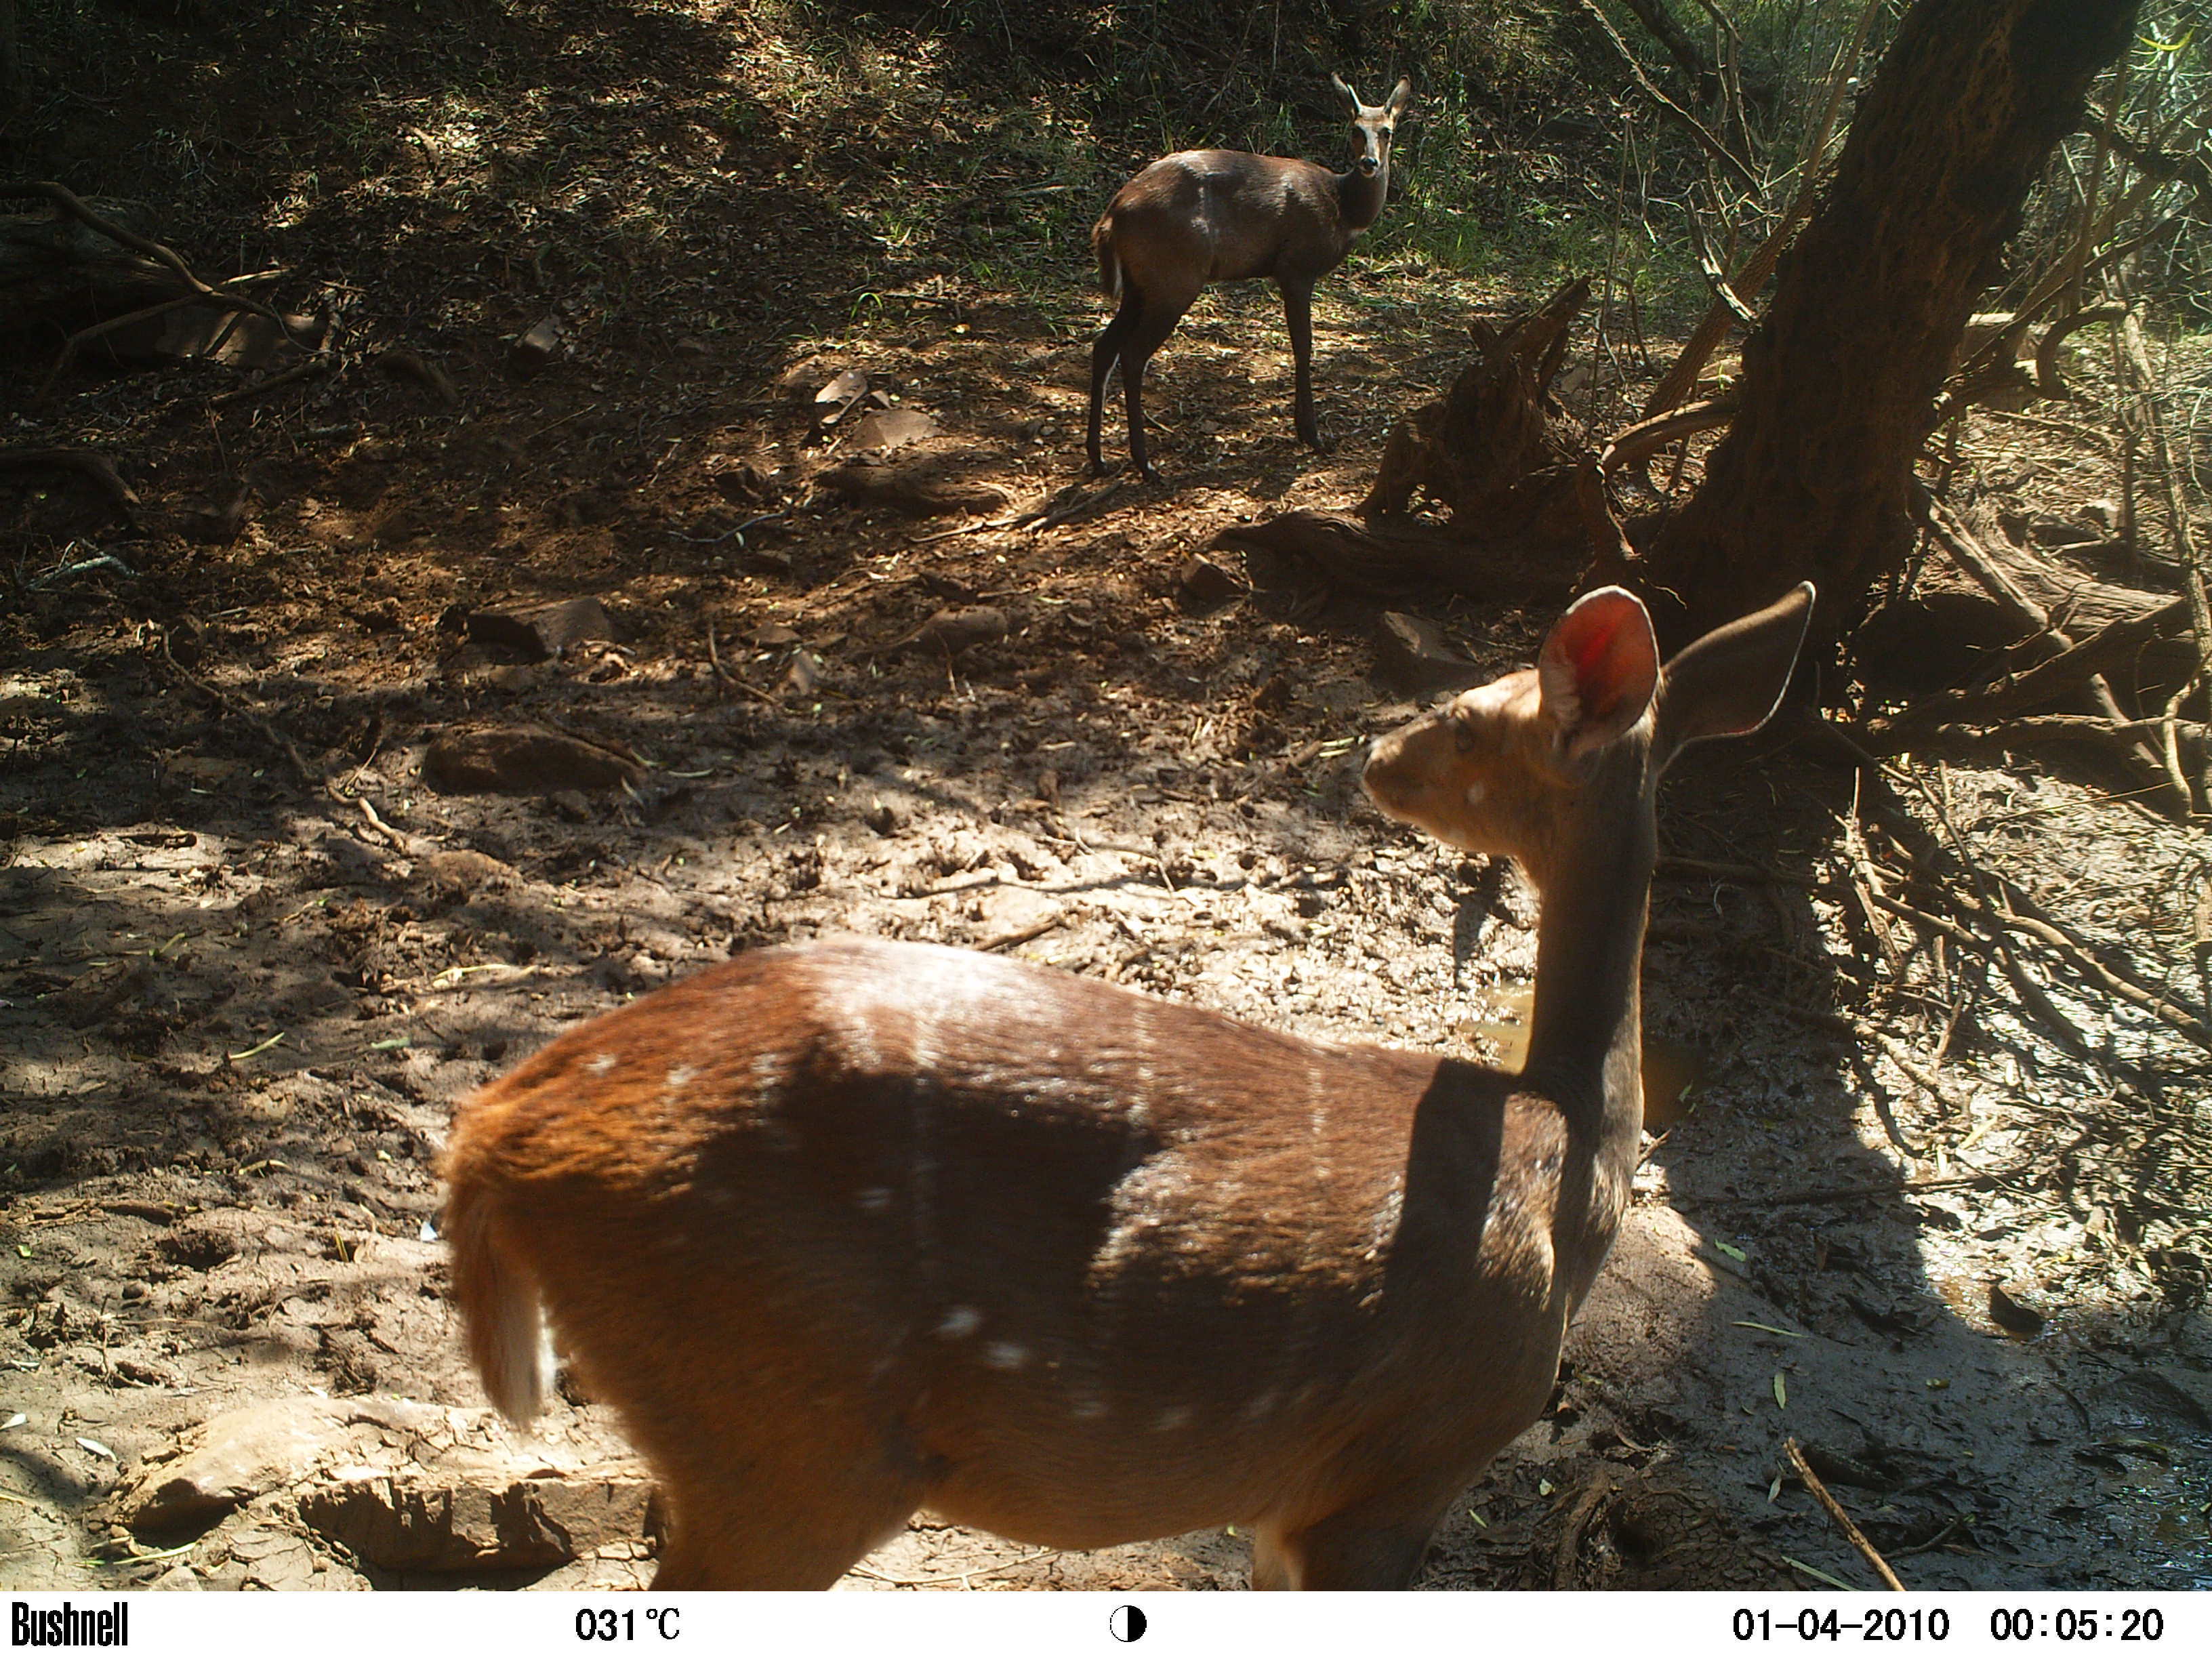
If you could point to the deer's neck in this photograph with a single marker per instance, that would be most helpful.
(1359, 200)
(1585, 1038)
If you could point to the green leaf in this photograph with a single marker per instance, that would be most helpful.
(1781, 1391)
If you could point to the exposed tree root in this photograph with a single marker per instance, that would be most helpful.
(92, 464)
(1405, 557)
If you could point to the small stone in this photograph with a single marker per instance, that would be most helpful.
(1204, 586)
(463, 873)
(893, 428)
(1413, 657)
(536, 348)
(952, 631)
(537, 632)
(525, 760)
(2015, 1314)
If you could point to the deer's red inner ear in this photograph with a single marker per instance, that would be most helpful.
(1602, 658)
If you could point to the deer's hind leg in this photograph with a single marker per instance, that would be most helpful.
(1376, 1544)
(1104, 353)
(1153, 324)
(782, 1456)
(749, 1516)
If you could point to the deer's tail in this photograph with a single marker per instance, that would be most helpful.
(497, 1297)
(1110, 263)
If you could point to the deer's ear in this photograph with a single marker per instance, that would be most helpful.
(1598, 669)
(1345, 92)
(1730, 683)
(1403, 95)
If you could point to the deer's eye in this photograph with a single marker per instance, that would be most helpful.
(1463, 734)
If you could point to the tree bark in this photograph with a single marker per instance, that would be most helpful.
(1840, 381)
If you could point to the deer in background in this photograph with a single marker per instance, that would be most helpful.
(1224, 216)
(852, 1228)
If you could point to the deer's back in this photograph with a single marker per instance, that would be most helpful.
(1215, 216)
(1009, 1216)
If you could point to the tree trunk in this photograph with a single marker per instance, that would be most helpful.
(1840, 381)
(1703, 77)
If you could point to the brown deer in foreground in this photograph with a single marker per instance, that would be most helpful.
(1222, 216)
(852, 1228)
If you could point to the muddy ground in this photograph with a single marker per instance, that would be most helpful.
(250, 955)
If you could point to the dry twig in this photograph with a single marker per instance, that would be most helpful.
(223, 700)
(1844, 1522)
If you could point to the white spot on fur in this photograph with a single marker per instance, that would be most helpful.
(1140, 1107)
(680, 1077)
(1383, 1227)
(1174, 1418)
(771, 1076)
(874, 1200)
(860, 1044)
(1475, 791)
(1087, 1406)
(1260, 1409)
(959, 1323)
(1005, 1355)
(1139, 1204)
(599, 1065)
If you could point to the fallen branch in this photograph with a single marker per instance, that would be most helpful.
(2047, 349)
(2109, 646)
(1968, 553)
(322, 363)
(1023, 935)
(74, 205)
(2083, 728)
(222, 295)
(144, 313)
(1402, 557)
(1634, 445)
(730, 678)
(2020, 914)
(1844, 1522)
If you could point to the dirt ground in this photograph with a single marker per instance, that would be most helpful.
(250, 956)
